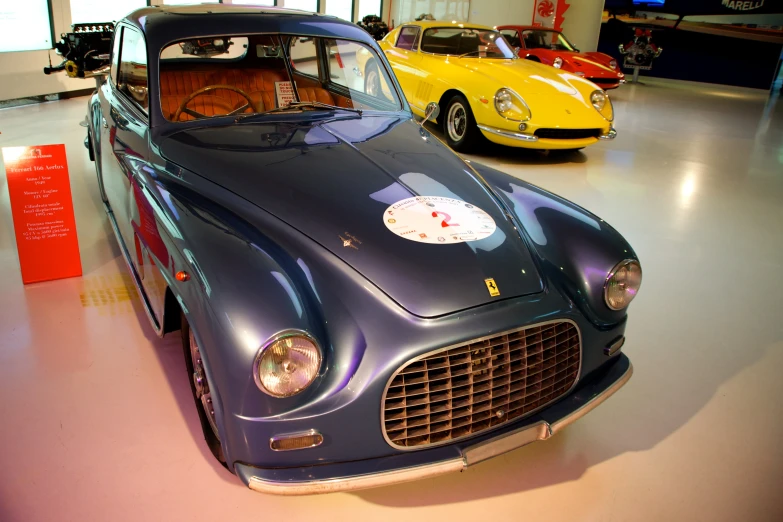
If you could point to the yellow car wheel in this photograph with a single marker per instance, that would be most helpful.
(459, 125)
(372, 80)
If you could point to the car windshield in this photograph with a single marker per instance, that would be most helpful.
(540, 39)
(257, 74)
(471, 43)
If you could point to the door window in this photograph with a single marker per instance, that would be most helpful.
(408, 38)
(132, 77)
(304, 55)
(347, 60)
(512, 37)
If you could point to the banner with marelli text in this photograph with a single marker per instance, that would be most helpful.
(42, 209)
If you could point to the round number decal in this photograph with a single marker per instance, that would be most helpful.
(437, 220)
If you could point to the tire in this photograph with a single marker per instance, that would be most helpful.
(372, 80)
(200, 389)
(459, 125)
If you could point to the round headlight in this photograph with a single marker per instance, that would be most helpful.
(511, 106)
(287, 364)
(622, 284)
(613, 64)
(557, 63)
(598, 99)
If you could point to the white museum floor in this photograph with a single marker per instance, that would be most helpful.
(97, 422)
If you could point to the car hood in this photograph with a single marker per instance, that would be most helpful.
(523, 76)
(583, 62)
(335, 180)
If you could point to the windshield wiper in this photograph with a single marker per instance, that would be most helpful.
(299, 106)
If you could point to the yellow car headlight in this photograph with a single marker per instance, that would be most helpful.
(511, 106)
(602, 104)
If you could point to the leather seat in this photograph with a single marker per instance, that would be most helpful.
(207, 104)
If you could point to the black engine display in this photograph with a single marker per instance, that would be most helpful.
(86, 51)
(375, 26)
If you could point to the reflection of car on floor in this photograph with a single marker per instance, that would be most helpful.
(483, 89)
(553, 48)
(358, 306)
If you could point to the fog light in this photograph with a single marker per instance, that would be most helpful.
(295, 441)
(523, 127)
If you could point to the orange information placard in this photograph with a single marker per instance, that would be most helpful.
(42, 208)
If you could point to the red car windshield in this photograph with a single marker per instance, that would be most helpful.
(542, 39)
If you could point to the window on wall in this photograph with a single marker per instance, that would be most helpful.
(252, 2)
(304, 5)
(339, 8)
(95, 11)
(25, 25)
(369, 7)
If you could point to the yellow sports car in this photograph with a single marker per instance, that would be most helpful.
(482, 88)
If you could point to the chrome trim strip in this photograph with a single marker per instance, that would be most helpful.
(134, 275)
(471, 455)
(612, 134)
(508, 134)
(286, 436)
(372, 480)
(471, 341)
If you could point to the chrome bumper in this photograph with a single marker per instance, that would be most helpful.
(509, 134)
(487, 449)
(612, 134)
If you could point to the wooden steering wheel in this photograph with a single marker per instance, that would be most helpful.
(210, 88)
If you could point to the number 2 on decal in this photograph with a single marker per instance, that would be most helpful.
(446, 218)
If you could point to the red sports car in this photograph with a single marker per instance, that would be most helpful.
(553, 48)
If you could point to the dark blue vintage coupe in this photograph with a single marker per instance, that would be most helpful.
(358, 305)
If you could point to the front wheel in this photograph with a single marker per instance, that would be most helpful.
(459, 125)
(199, 386)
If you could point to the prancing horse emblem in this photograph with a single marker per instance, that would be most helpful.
(494, 291)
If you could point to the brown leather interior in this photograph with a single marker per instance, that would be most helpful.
(259, 84)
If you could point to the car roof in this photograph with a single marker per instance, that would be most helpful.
(528, 27)
(429, 24)
(167, 23)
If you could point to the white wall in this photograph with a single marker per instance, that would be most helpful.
(21, 73)
(582, 23)
(500, 12)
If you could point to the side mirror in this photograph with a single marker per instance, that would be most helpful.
(431, 112)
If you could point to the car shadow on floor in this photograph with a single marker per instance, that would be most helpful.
(515, 155)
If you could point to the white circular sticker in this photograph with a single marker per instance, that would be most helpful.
(438, 220)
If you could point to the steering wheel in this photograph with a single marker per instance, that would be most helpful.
(210, 88)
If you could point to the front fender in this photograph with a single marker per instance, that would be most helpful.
(576, 249)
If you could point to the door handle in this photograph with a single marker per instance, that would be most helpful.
(105, 125)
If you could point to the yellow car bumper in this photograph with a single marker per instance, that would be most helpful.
(513, 138)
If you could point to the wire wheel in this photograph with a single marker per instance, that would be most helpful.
(457, 121)
(372, 81)
(200, 382)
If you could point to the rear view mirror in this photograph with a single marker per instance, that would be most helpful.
(431, 112)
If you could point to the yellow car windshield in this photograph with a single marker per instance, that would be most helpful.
(471, 43)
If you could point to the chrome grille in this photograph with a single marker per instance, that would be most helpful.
(466, 389)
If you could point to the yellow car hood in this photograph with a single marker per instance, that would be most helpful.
(522, 76)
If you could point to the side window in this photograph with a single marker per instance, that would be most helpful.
(132, 77)
(408, 38)
(372, 88)
(304, 55)
(115, 55)
(512, 37)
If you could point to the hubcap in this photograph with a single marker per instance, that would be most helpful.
(201, 384)
(457, 122)
(373, 83)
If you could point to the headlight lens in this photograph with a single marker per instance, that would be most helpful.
(602, 104)
(511, 106)
(622, 284)
(613, 64)
(598, 99)
(557, 63)
(287, 364)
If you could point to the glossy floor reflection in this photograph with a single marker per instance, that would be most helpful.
(96, 420)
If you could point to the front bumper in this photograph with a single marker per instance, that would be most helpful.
(519, 139)
(416, 465)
